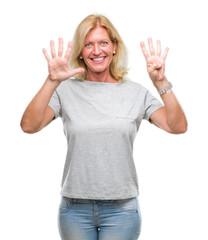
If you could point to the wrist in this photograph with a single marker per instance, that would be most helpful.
(165, 89)
(161, 84)
(52, 83)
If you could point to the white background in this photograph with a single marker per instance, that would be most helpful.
(172, 169)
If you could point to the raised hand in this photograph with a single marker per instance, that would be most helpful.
(58, 65)
(155, 62)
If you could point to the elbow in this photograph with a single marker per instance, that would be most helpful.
(184, 129)
(26, 128)
(181, 129)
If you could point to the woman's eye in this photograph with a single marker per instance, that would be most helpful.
(88, 44)
(104, 43)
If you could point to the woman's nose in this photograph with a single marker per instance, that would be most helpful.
(96, 49)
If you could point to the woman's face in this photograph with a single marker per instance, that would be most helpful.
(98, 50)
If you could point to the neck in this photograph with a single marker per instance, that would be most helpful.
(100, 77)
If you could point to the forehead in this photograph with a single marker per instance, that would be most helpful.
(96, 34)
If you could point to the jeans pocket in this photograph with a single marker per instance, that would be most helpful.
(128, 204)
(138, 212)
(65, 205)
(137, 206)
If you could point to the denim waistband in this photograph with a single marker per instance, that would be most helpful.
(79, 200)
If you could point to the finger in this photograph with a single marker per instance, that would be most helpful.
(161, 73)
(158, 48)
(164, 56)
(60, 48)
(153, 67)
(144, 50)
(47, 57)
(151, 46)
(77, 71)
(68, 51)
(53, 52)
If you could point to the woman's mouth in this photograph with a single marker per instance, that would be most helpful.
(98, 60)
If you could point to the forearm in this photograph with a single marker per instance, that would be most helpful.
(34, 113)
(176, 119)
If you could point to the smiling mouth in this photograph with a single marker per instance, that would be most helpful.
(98, 60)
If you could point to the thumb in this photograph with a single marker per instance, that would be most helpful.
(77, 71)
(158, 66)
(153, 67)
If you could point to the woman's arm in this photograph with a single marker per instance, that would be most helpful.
(38, 114)
(171, 117)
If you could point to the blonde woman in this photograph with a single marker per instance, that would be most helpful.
(101, 112)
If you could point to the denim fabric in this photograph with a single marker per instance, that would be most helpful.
(84, 219)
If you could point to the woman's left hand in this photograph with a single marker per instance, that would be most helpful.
(155, 63)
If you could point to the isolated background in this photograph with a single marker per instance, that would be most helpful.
(172, 169)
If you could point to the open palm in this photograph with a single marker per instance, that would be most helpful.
(155, 62)
(58, 65)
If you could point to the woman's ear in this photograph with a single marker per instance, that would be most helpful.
(114, 47)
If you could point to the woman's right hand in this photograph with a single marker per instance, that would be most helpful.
(58, 65)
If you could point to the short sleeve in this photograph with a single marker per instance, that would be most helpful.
(151, 104)
(55, 104)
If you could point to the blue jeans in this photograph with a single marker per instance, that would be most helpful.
(84, 219)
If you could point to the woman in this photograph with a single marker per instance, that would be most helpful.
(101, 113)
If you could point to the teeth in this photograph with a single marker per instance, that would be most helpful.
(98, 59)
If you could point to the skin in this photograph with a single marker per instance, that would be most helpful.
(38, 114)
(171, 117)
(98, 46)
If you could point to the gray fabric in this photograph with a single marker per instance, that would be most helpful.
(100, 123)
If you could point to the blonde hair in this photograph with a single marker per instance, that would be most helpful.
(118, 66)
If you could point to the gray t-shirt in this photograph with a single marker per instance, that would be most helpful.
(100, 123)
